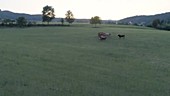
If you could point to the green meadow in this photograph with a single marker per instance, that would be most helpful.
(72, 61)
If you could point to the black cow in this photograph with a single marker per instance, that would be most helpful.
(121, 36)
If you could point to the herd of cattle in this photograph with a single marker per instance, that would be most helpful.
(104, 35)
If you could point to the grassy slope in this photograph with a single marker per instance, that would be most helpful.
(71, 61)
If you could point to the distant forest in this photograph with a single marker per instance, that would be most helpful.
(162, 20)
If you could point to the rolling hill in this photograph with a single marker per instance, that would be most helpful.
(144, 19)
(38, 17)
(12, 15)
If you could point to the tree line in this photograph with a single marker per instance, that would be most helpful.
(47, 16)
(160, 24)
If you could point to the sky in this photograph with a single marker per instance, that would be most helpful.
(85, 9)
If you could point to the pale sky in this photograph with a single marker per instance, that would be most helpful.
(106, 9)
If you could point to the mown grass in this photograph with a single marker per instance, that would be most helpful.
(71, 61)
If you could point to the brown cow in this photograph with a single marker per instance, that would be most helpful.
(103, 35)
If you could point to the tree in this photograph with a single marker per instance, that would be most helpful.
(168, 21)
(156, 22)
(48, 14)
(6, 21)
(62, 21)
(21, 21)
(69, 17)
(95, 20)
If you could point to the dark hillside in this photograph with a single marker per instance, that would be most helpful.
(12, 15)
(144, 19)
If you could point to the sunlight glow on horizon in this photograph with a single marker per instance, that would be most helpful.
(106, 9)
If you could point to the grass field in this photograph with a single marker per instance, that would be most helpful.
(71, 61)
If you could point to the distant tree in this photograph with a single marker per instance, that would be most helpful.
(21, 21)
(62, 21)
(12, 21)
(95, 20)
(156, 22)
(48, 14)
(162, 22)
(69, 17)
(168, 22)
(8, 22)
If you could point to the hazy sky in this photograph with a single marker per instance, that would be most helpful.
(106, 9)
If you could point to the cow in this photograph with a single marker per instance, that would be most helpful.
(103, 35)
(121, 36)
